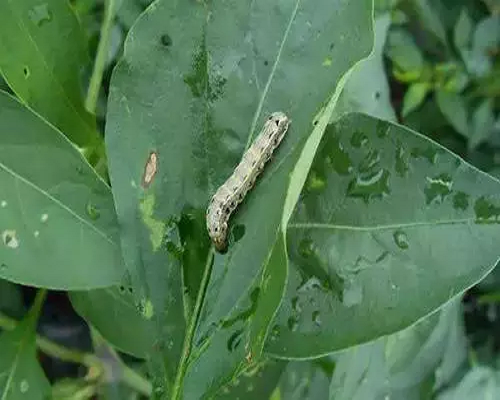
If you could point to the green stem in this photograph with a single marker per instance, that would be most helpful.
(188, 339)
(130, 377)
(101, 57)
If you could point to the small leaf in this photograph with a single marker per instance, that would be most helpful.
(480, 382)
(483, 121)
(118, 318)
(462, 33)
(453, 108)
(414, 97)
(404, 53)
(21, 377)
(48, 191)
(367, 89)
(42, 53)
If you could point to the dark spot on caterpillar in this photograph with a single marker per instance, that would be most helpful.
(266, 63)
(315, 123)
(277, 123)
(232, 204)
(254, 162)
(216, 229)
(377, 95)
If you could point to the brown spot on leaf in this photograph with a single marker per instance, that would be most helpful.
(150, 169)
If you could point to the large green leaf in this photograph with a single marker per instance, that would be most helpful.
(367, 90)
(306, 380)
(21, 377)
(113, 312)
(57, 220)
(196, 83)
(390, 226)
(399, 366)
(42, 53)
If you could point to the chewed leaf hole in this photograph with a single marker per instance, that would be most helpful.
(238, 232)
(166, 40)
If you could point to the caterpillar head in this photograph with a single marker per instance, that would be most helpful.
(218, 234)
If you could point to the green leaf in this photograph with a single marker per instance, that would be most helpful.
(398, 366)
(11, 300)
(483, 121)
(404, 53)
(430, 19)
(454, 109)
(257, 383)
(112, 311)
(370, 240)
(481, 382)
(129, 11)
(57, 221)
(462, 33)
(42, 52)
(306, 380)
(196, 84)
(21, 377)
(367, 89)
(486, 38)
(415, 96)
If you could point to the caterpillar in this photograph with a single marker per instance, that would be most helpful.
(233, 191)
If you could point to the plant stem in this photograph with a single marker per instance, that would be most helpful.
(101, 57)
(130, 377)
(188, 339)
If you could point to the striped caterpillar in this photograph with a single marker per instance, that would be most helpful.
(233, 191)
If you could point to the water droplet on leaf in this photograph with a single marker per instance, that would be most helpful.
(438, 188)
(293, 323)
(402, 166)
(486, 211)
(359, 139)
(316, 318)
(296, 305)
(372, 186)
(40, 14)
(460, 201)
(401, 240)
(10, 239)
(24, 386)
(234, 340)
(352, 294)
(370, 161)
(92, 211)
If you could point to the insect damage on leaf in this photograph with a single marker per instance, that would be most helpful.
(150, 169)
